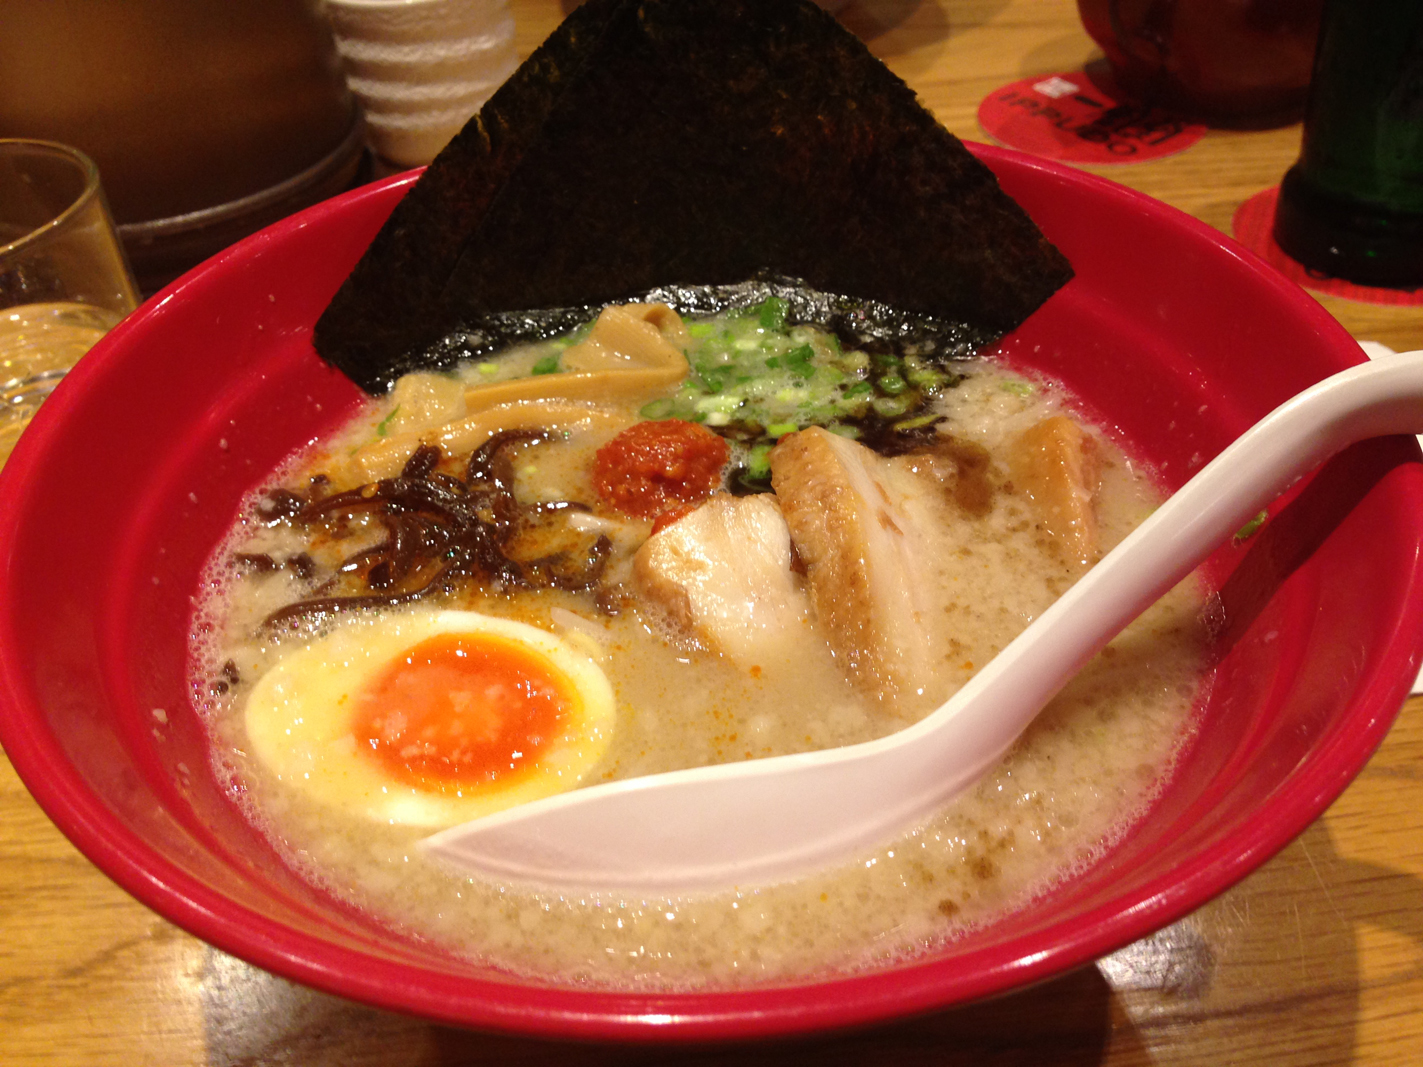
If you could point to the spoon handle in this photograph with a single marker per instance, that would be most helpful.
(770, 820)
(1371, 400)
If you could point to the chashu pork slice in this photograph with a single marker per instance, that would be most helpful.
(865, 530)
(1055, 464)
(723, 574)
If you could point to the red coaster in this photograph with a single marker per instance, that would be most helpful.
(1069, 117)
(1252, 225)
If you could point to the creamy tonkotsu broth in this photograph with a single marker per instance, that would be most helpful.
(687, 685)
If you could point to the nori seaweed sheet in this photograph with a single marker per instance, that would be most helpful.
(857, 322)
(686, 145)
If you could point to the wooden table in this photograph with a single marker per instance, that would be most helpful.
(1315, 959)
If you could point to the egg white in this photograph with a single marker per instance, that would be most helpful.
(298, 720)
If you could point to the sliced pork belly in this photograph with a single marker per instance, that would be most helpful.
(1055, 464)
(723, 574)
(867, 531)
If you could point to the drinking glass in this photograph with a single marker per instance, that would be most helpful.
(64, 281)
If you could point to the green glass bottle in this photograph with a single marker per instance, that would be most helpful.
(1352, 207)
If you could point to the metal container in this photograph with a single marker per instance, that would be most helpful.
(208, 118)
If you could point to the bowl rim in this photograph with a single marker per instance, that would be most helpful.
(518, 1006)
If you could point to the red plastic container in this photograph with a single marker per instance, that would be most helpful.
(1172, 334)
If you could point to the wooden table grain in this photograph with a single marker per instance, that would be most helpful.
(1316, 959)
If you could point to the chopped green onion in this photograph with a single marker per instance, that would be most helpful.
(772, 313)
(726, 403)
(1016, 388)
(715, 379)
(758, 461)
(890, 407)
(1250, 528)
(892, 384)
(755, 378)
(926, 376)
(383, 427)
(488, 368)
(683, 409)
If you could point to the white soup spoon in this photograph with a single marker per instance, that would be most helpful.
(770, 820)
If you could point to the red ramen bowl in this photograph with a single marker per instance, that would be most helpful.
(1174, 338)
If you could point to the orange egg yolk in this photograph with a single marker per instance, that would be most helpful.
(459, 710)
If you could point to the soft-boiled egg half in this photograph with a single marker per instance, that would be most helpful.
(431, 718)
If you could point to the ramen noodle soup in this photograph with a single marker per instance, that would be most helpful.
(658, 544)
